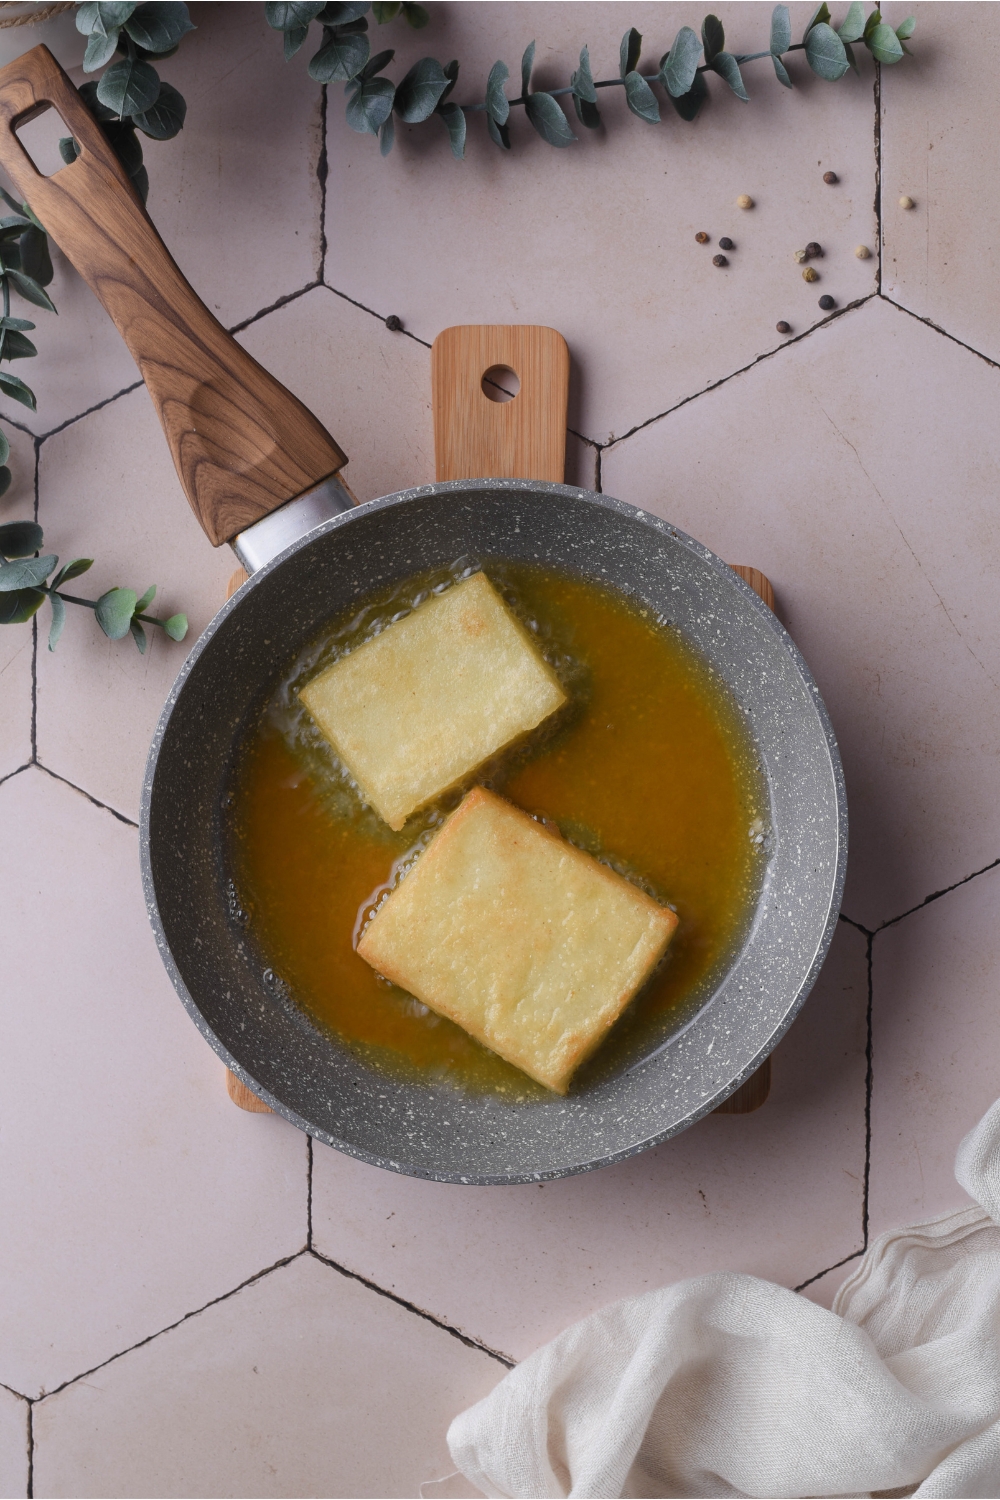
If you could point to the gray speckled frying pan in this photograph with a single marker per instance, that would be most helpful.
(312, 554)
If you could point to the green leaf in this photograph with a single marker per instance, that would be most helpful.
(114, 612)
(680, 65)
(781, 72)
(386, 135)
(292, 16)
(852, 28)
(713, 36)
(370, 105)
(376, 64)
(16, 346)
(141, 605)
(71, 570)
(12, 226)
(725, 64)
(907, 29)
(582, 81)
(293, 40)
(30, 290)
(176, 627)
(527, 63)
(342, 56)
(158, 27)
(100, 49)
(166, 117)
(825, 52)
(138, 635)
(20, 605)
(588, 114)
(20, 538)
(420, 92)
(687, 105)
(58, 620)
(497, 103)
(852, 60)
(88, 93)
(640, 98)
(4, 455)
(386, 12)
(35, 259)
(781, 30)
(346, 14)
(121, 135)
(102, 18)
(415, 15)
(453, 116)
(451, 73)
(875, 19)
(499, 133)
(5, 479)
(548, 119)
(628, 52)
(22, 325)
(129, 87)
(17, 389)
(818, 17)
(884, 45)
(26, 573)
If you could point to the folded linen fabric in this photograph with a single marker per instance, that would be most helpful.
(727, 1385)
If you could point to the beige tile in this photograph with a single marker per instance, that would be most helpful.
(939, 111)
(132, 1189)
(16, 640)
(935, 1049)
(235, 198)
(13, 1445)
(305, 1383)
(858, 471)
(776, 1193)
(598, 240)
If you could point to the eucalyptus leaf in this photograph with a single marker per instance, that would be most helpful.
(875, 19)
(158, 26)
(294, 38)
(453, 116)
(818, 17)
(122, 136)
(17, 389)
(129, 87)
(176, 627)
(640, 98)
(629, 52)
(88, 93)
(20, 605)
(687, 105)
(26, 572)
(499, 133)
(342, 56)
(884, 44)
(497, 103)
(587, 113)
(16, 346)
(421, 90)
(102, 17)
(681, 63)
(825, 52)
(166, 117)
(906, 30)
(527, 63)
(12, 226)
(5, 479)
(28, 214)
(548, 119)
(58, 620)
(19, 538)
(852, 28)
(725, 64)
(292, 15)
(143, 603)
(100, 49)
(713, 36)
(451, 73)
(851, 59)
(114, 612)
(30, 290)
(582, 81)
(781, 30)
(377, 63)
(415, 15)
(780, 71)
(370, 105)
(386, 135)
(35, 259)
(386, 12)
(4, 455)
(71, 570)
(345, 14)
(138, 635)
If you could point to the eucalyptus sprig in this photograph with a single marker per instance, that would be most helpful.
(24, 589)
(26, 268)
(345, 55)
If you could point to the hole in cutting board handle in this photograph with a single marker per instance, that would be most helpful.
(500, 383)
(39, 133)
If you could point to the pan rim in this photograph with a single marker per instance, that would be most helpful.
(514, 486)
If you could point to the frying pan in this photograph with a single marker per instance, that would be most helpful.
(262, 474)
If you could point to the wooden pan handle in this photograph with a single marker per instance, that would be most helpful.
(242, 444)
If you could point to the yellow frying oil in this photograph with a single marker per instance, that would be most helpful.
(649, 767)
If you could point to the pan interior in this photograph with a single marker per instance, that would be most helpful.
(415, 1126)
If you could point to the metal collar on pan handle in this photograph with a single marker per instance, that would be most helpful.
(265, 539)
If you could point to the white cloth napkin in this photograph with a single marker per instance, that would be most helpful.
(729, 1386)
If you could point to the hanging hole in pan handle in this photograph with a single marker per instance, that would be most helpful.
(46, 139)
(500, 383)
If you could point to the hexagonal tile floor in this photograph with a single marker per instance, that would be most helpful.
(201, 1301)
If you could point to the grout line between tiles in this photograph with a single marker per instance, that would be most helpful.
(36, 445)
(869, 1077)
(9, 777)
(10, 1389)
(97, 406)
(411, 1307)
(598, 473)
(929, 323)
(309, 1192)
(31, 1450)
(95, 800)
(372, 313)
(836, 1266)
(283, 301)
(322, 172)
(851, 923)
(286, 1260)
(877, 94)
(936, 895)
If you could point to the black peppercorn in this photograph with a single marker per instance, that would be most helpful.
(826, 303)
(393, 323)
(830, 178)
(812, 250)
(701, 237)
(726, 243)
(783, 327)
(719, 260)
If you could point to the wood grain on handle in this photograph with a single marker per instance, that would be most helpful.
(476, 438)
(242, 444)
